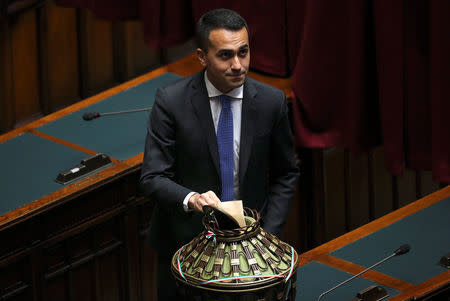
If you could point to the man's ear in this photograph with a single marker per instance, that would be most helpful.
(201, 56)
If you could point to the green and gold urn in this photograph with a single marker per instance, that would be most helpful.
(228, 262)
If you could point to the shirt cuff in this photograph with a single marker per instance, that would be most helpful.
(185, 201)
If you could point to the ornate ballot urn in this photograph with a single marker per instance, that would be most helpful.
(228, 262)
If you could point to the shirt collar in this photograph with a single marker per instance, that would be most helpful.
(213, 92)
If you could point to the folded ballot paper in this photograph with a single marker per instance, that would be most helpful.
(235, 209)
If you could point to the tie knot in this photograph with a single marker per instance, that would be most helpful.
(225, 101)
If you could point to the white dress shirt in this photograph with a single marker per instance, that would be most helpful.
(236, 96)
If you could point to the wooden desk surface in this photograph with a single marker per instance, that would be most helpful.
(322, 253)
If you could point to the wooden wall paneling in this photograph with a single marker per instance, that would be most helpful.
(56, 288)
(60, 78)
(143, 57)
(80, 245)
(111, 287)
(406, 187)
(55, 258)
(57, 284)
(111, 256)
(120, 51)
(381, 184)
(131, 236)
(358, 201)
(97, 59)
(7, 117)
(37, 272)
(29, 235)
(292, 231)
(172, 54)
(304, 203)
(133, 56)
(318, 221)
(82, 283)
(97, 280)
(42, 49)
(87, 265)
(72, 214)
(147, 256)
(426, 183)
(307, 184)
(15, 280)
(335, 192)
(25, 67)
(80, 253)
(148, 272)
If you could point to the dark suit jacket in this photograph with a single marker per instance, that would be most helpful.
(181, 156)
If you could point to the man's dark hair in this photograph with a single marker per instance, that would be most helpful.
(217, 19)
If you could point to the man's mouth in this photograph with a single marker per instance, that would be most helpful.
(236, 75)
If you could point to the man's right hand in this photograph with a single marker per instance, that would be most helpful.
(197, 201)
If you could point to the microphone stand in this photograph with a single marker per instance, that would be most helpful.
(400, 251)
(123, 112)
(93, 115)
(360, 273)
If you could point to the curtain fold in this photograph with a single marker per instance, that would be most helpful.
(166, 23)
(439, 83)
(333, 76)
(389, 45)
(370, 73)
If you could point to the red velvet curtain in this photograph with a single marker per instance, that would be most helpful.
(166, 22)
(439, 90)
(381, 68)
(363, 72)
(333, 78)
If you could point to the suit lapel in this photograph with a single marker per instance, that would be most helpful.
(248, 123)
(200, 102)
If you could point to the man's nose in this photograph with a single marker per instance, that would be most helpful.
(235, 63)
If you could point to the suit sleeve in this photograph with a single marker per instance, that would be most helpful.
(158, 167)
(283, 174)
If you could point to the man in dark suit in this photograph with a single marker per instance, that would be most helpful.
(203, 147)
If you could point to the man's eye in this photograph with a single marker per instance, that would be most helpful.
(243, 52)
(225, 55)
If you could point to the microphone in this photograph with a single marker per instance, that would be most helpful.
(92, 115)
(400, 251)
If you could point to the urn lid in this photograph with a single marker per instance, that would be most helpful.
(231, 257)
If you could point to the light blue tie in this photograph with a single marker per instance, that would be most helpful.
(225, 144)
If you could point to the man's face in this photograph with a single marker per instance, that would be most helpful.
(227, 59)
